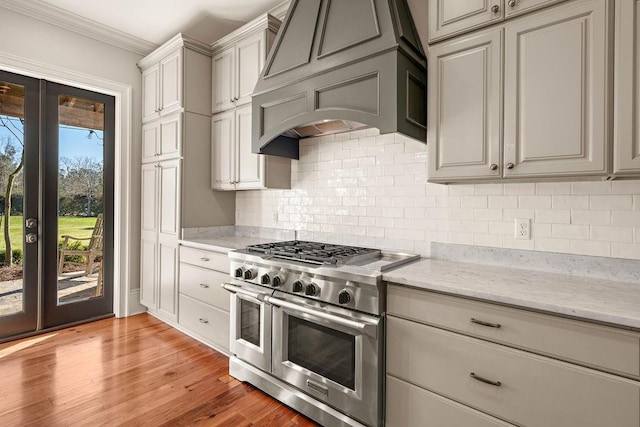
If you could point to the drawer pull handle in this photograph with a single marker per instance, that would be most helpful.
(205, 259)
(203, 320)
(204, 285)
(483, 323)
(484, 380)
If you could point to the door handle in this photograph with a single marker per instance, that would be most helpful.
(364, 327)
(31, 238)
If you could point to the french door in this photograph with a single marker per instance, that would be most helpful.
(56, 204)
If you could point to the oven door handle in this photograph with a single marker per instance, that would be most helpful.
(238, 290)
(366, 328)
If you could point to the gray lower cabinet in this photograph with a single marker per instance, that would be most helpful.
(455, 362)
(203, 304)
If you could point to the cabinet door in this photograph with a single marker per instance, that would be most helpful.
(249, 166)
(465, 108)
(250, 54)
(150, 142)
(171, 136)
(149, 236)
(148, 271)
(169, 198)
(449, 17)
(556, 92)
(224, 80)
(171, 82)
(222, 151)
(518, 7)
(627, 90)
(150, 93)
(168, 277)
(149, 217)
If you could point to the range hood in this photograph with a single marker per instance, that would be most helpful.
(340, 65)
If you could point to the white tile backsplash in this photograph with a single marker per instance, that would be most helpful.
(370, 189)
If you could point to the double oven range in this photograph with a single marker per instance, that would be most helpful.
(307, 327)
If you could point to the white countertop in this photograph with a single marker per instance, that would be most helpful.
(222, 243)
(597, 300)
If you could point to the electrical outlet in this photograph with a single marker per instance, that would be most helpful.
(523, 228)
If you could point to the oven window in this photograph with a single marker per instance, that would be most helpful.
(325, 351)
(250, 321)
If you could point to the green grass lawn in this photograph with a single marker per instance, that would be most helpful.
(76, 226)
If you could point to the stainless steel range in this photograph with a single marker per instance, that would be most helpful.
(307, 327)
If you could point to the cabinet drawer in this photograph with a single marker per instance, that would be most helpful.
(213, 260)
(204, 285)
(607, 348)
(533, 390)
(206, 321)
(411, 406)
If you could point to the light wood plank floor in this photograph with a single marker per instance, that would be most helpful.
(136, 371)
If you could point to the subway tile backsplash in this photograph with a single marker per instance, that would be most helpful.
(368, 189)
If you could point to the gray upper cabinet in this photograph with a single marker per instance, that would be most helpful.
(550, 108)
(451, 17)
(465, 107)
(556, 97)
(627, 89)
(237, 62)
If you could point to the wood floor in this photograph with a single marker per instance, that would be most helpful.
(136, 372)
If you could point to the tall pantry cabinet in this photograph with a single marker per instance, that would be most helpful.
(175, 165)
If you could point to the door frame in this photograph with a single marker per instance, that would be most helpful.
(126, 195)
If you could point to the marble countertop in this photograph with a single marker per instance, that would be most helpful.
(227, 238)
(222, 243)
(599, 300)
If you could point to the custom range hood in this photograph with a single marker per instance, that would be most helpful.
(339, 65)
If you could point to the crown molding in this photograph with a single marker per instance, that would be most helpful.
(176, 42)
(266, 21)
(280, 11)
(69, 21)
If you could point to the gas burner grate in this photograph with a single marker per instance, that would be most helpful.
(316, 252)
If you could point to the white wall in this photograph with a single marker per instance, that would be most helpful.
(370, 190)
(43, 50)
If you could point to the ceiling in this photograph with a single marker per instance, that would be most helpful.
(156, 21)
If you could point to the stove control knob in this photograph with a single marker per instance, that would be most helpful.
(311, 290)
(249, 274)
(344, 297)
(277, 281)
(298, 286)
(265, 279)
(238, 272)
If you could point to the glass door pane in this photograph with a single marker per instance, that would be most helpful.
(19, 128)
(80, 198)
(11, 199)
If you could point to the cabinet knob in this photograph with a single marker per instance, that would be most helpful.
(201, 320)
(512, 3)
(495, 8)
(493, 166)
(510, 165)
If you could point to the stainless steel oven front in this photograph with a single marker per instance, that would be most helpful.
(250, 325)
(330, 353)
